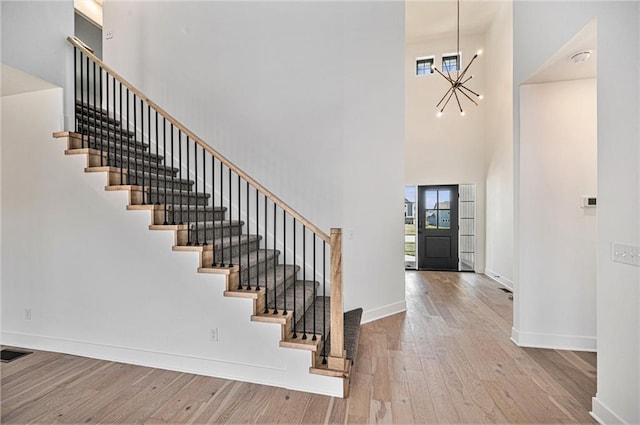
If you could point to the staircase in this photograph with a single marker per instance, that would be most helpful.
(266, 250)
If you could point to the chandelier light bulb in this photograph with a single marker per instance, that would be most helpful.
(481, 97)
(479, 52)
(462, 113)
(439, 114)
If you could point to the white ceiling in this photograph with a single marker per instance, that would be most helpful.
(426, 19)
(560, 67)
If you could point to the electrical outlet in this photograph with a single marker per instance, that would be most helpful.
(27, 314)
(626, 254)
(213, 336)
(108, 35)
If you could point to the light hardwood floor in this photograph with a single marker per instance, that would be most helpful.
(448, 359)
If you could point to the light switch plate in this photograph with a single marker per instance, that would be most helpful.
(626, 254)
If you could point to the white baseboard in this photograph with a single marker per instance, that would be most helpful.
(384, 311)
(254, 373)
(601, 413)
(554, 341)
(507, 283)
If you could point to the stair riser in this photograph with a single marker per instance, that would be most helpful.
(189, 217)
(161, 198)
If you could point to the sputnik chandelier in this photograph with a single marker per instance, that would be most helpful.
(457, 88)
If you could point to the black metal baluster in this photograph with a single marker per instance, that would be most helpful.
(180, 177)
(189, 198)
(275, 261)
(128, 142)
(213, 210)
(266, 246)
(204, 188)
(173, 185)
(324, 300)
(257, 233)
(248, 232)
(75, 89)
(115, 135)
(157, 163)
(230, 263)
(82, 105)
(108, 117)
(149, 137)
(221, 263)
(295, 266)
(144, 202)
(95, 108)
(101, 119)
(135, 141)
(195, 198)
(240, 232)
(304, 282)
(121, 147)
(164, 152)
(313, 283)
(284, 260)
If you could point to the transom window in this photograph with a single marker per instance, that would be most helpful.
(450, 63)
(424, 65)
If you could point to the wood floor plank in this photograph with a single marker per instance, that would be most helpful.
(448, 359)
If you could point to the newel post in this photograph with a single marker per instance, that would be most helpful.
(337, 355)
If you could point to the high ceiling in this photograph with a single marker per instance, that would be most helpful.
(426, 19)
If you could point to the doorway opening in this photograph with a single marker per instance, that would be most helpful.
(439, 227)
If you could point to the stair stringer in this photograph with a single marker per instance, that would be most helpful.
(285, 368)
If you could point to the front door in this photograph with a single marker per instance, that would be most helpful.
(438, 227)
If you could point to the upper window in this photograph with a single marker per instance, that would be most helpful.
(450, 63)
(424, 65)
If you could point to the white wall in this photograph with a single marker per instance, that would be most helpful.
(557, 237)
(33, 40)
(617, 285)
(98, 283)
(448, 149)
(305, 97)
(499, 145)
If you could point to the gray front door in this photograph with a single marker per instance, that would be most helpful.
(438, 227)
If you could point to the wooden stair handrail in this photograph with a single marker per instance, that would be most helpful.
(84, 48)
